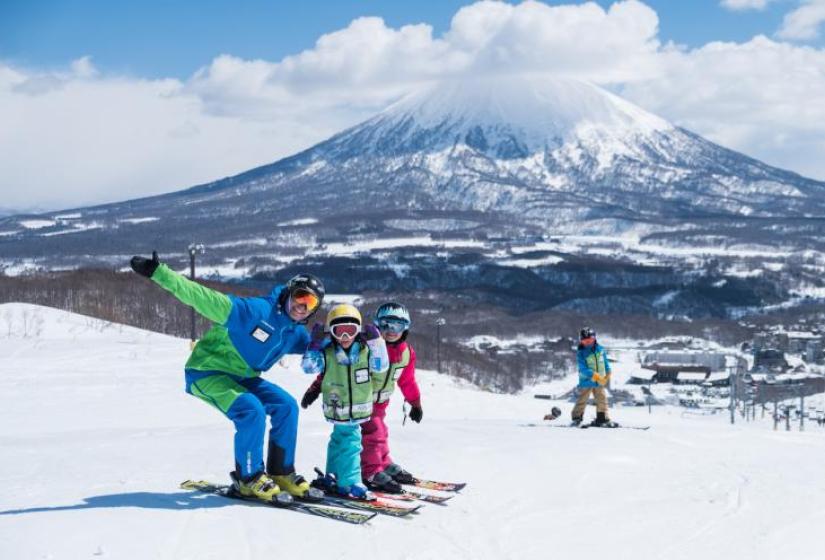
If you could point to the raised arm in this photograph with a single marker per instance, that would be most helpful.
(212, 304)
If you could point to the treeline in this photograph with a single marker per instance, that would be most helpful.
(526, 348)
(119, 297)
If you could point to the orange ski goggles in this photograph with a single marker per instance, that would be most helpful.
(308, 299)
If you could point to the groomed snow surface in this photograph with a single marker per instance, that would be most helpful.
(96, 434)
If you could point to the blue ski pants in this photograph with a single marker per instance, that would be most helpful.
(247, 401)
(344, 454)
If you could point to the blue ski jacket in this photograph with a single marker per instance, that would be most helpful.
(591, 359)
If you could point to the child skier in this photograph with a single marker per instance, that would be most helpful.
(345, 364)
(250, 334)
(594, 374)
(377, 468)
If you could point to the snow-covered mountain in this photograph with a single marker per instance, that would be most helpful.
(97, 433)
(502, 160)
(554, 151)
(540, 150)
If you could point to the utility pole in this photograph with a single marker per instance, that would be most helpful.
(649, 397)
(787, 418)
(732, 381)
(438, 324)
(194, 248)
(775, 416)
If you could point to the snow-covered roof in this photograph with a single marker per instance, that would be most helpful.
(691, 376)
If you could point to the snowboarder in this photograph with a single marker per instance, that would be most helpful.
(249, 336)
(345, 363)
(377, 467)
(594, 375)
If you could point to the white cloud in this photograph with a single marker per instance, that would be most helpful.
(740, 5)
(804, 22)
(68, 139)
(75, 137)
(764, 98)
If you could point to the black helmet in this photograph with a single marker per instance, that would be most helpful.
(308, 283)
(587, 332)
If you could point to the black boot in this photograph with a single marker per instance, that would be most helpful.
(399, 475)
(383, 482)
(601, 419)
(576, 421)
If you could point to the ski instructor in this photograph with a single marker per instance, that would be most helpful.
(249, 336)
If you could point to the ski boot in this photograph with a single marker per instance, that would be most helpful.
(399, 475)
(298, 487)
(356, 492)
(576, 422)
(602, 421)
(382, 482)
(325, 482)
(260, 487)
(329, 484)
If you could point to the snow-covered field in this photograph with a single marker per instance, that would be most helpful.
(96, 433)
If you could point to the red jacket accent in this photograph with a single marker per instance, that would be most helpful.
(406, 381)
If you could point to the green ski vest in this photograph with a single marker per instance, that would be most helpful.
(347, 389)
(383, 384)
(595, 361)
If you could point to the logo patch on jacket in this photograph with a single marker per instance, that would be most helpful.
(362, 375)
(260, 335)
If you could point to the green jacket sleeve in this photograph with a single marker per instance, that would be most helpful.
(213, 305)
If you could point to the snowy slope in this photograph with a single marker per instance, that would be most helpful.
(96, 433)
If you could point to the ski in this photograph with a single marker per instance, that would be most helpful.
(618, 426)
(374, 503)
(584, 426)
(437, 485)
(412, 494)
(377, 505)
(310, 508)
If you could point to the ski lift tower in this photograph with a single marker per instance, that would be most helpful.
(194, 249)
(440, 322)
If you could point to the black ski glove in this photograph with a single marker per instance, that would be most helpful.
(311, 394)
(145, 267)
(416, 412)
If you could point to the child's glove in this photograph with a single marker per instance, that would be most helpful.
(145, 267)
(600, 379)
(371, 332)
(311, 394)
(416, 412)
(316, 342)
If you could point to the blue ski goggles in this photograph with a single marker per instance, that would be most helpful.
(393, 326)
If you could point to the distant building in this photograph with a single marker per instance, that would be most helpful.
(769, 360)
(682, 367)
(813, 352)
(770, 347)
(798, 341)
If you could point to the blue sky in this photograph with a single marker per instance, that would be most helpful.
(157, 38)
(129, 99)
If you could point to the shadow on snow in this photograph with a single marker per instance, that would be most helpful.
(146, 500)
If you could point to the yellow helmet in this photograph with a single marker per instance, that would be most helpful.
(343, 311)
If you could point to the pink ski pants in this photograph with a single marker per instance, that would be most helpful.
(375, 455)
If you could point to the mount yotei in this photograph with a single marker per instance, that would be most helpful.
(531, 189)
